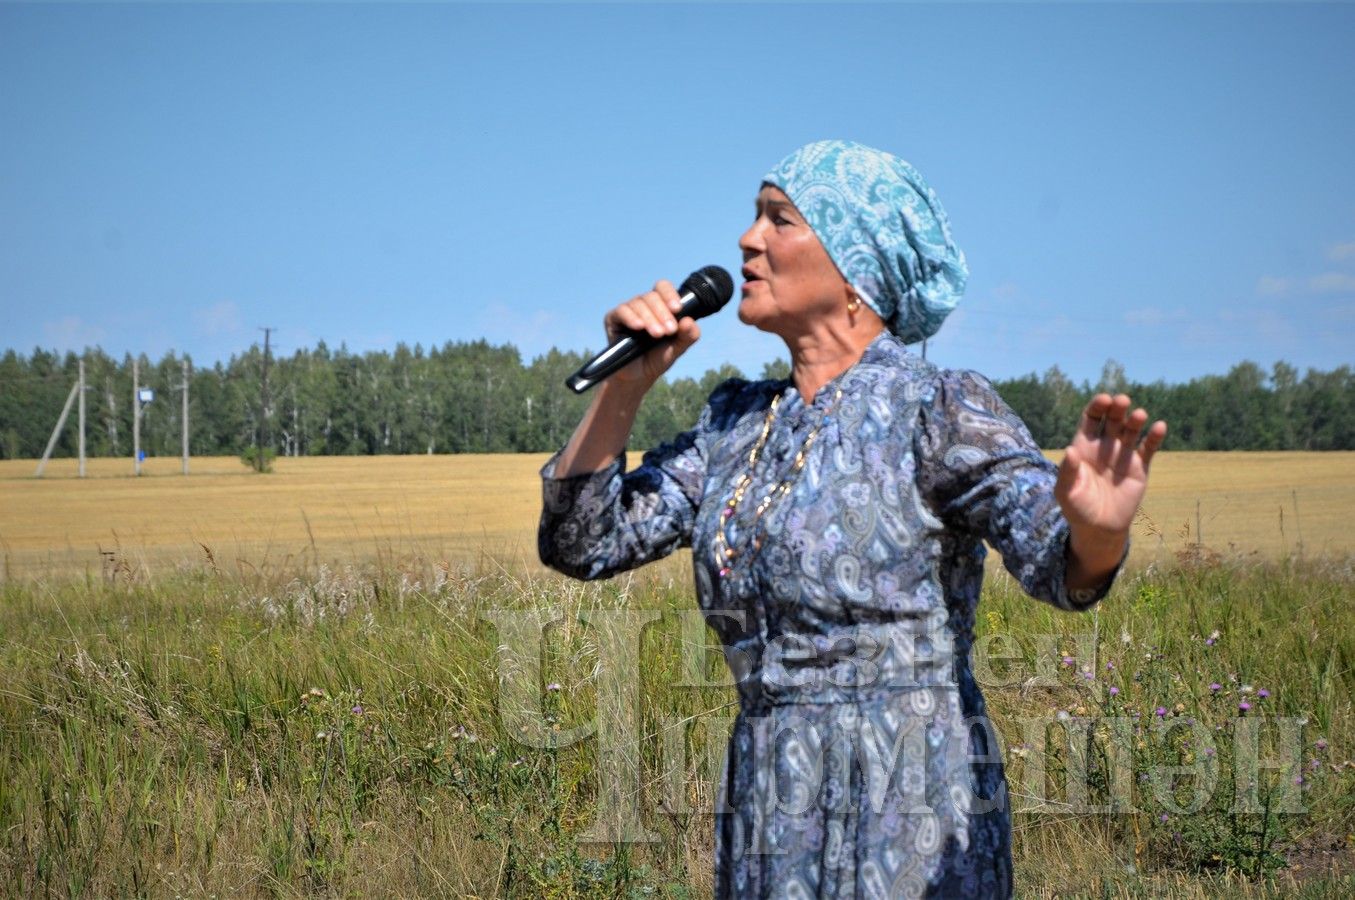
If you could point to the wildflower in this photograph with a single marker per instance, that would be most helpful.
(1110, 665)
(320, 735)
(1062, 715)
(1298, 779)
(1164, 817)
(1114, 691)
(1263, 693)
(1180, 708)
(1314, 764)
(1246, 689)
(1243, 706)
(1322, 743)
(1081, 711)
(1125, 638)
(1161, 711)
(1209, 642)
(357, 709)
(1068, 660)
(553, 686)
(1214, 635)
(1208, 751)
(1215, 687)
(1089, 676)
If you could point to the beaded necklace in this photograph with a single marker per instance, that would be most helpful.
(725, 554)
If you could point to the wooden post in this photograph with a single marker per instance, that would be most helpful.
(82, 417)
(56, 432)
(136, 416)
(184, 367)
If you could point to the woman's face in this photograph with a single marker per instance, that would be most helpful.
(790, 281)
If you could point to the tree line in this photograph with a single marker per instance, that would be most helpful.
(475, 397)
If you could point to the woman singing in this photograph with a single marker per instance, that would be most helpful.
(837, 520)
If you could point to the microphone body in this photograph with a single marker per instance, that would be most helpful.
(704, 292)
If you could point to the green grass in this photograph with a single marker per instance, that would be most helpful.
(342, 732)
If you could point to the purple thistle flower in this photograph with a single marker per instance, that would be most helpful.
(1215, 687)
(1314, 764)
(1068, 660)
(1208, 751)
(1263, 693)
(1322, 743)
(1161, 711)
(357, 709)
(1114, 691)
(1209, 642)
(1243, 706)
(1164, 817)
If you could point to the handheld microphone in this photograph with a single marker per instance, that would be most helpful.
(704, 292)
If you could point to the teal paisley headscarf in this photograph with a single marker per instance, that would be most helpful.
(883, 227)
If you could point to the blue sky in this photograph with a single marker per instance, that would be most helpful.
(1169, 185)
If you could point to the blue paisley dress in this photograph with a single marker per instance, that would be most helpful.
(862, 763)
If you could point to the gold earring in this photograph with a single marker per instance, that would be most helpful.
(853, 304)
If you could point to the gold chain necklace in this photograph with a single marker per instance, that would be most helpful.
(725, 554)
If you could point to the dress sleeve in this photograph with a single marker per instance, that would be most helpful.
(597, 524)
(982, 474)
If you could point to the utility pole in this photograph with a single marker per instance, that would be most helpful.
(261, 463)
(136, 415)
(183, 363)
(82, 417)
(56, 432)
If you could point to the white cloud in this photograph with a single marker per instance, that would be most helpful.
(1006, 291)
(1342, 251)
(1344, 312)
(1150, 316)
(219, 319)
(1053, 330)
(534, 331)
(1332, 283)
(1270, 286)
(72, 333)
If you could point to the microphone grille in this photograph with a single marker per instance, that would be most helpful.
(712, 288)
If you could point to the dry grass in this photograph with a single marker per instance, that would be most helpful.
(310, 509)
(159, 735)
(459, 507)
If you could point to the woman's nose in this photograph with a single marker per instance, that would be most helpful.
(751, 240)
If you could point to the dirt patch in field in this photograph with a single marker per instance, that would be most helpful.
(1324, 855)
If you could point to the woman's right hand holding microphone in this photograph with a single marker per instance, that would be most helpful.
(606, 426)
(652, 312)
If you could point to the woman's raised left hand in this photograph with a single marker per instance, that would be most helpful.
(1102, 480)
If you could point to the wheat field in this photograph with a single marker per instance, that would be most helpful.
(458, 508)
(208, 691)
